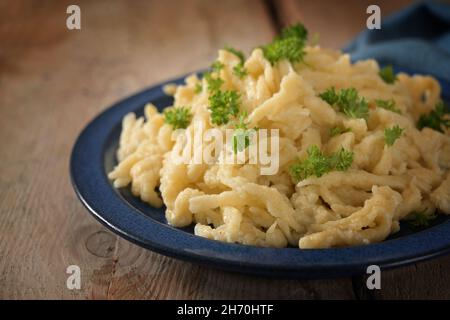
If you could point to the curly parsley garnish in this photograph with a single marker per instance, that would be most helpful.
(392, 134)
(341, 160)
(338, 130)
(178, 117)
(239, 70)
(347, 101)
(241, 134)
(289, 45)
(436, 119)
(198, 88)
(388, 105)
(317, 164)
(217, 66)
(295, 31)
(387, 74)
(223, 106)
(420, 219)
(214, 83)
(330, 96)
(237, 53)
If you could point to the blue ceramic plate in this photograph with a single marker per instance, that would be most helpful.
(93, 156)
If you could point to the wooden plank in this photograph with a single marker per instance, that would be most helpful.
(168, 278)
(337, 22)
(426, 280)
(52, 82)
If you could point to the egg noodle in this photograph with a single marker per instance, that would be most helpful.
(353, 161)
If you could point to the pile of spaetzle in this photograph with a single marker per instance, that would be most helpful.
(360, 149)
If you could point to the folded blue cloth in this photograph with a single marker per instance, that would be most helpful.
(415, 39)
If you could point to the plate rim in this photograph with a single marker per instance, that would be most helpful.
(273, 262)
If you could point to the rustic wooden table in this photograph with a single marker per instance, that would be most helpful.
(53, 81)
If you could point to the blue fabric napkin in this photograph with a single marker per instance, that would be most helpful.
(416, 39)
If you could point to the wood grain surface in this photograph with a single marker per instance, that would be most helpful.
(53, 81)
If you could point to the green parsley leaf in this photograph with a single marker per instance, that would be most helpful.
(237, 53)
(338, 130)
(420, 219)
(290, 49)
(224, 105)
(436, 119)
(242, 124)
(241, 140)
(392, 134)
(317, 164)
(217, 66)
(239, 70)
(347, 101)
(387, 74)
(241, 134)
(388, 105)
(198, 88)
(330, 95)
(214, 83)
(295, 31)
(289, 45)
(341, 160)
(178, 117)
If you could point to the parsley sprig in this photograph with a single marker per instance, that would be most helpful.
(420, 219)
(341, 160)
(178, 117)
(198, 87)
(387, 74)
(295, 31)
(239, 69)
(338, 130)
(236, 52)
(347, 101)
(388, 105)
(217, 66)
(223, 106)
(392, 134)
(241, 134)
(289, 45)
(214, 82)
(317, 163)
(436, 119)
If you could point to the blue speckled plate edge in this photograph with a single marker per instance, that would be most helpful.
(94, 190)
